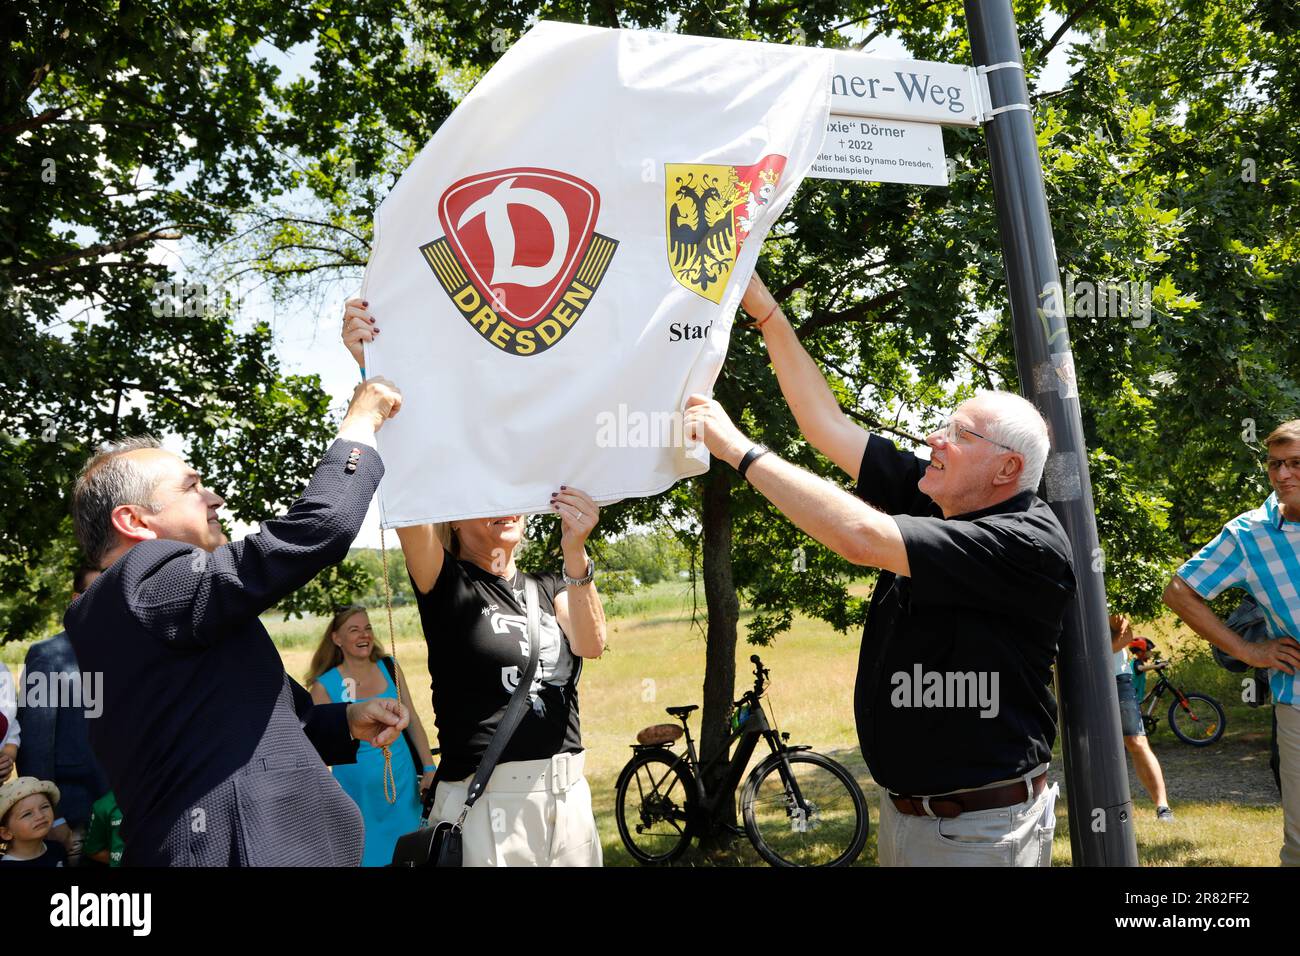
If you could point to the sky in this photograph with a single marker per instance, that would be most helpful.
(307, 339)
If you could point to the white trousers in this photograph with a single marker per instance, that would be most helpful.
(532, 813)
(1019, 835)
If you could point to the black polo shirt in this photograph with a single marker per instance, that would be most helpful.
(954, 676)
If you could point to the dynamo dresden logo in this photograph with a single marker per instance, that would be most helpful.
(520, 257)
(711, 211)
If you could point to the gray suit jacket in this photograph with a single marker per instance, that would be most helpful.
(202, 733)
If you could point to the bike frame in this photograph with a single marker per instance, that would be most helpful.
(1154, 694)
(1163, 683)
(756, 727)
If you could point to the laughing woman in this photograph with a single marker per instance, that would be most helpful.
(536, 808)
(350, 666)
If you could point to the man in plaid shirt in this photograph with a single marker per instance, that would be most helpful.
(1259, 552)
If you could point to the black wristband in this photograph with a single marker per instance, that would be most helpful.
(751, 456)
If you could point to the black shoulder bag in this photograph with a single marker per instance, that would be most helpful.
(441, 844)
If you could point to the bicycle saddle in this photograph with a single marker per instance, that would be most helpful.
(681, 711)
(659, 734)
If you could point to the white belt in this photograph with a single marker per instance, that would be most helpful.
(554, 774)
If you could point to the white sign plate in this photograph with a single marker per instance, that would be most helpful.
(922, 91)
(881, 151)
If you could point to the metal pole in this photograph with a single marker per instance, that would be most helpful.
(1100, 808)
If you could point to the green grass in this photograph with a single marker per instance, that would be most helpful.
(655, 659)
(1227, 811)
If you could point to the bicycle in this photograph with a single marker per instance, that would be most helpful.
(799, 808)
(1195, 718)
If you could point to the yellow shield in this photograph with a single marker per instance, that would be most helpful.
(711, 210)
(701, 227)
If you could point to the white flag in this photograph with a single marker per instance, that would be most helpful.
(559, 268)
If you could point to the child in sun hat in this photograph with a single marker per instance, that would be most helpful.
(26, 818)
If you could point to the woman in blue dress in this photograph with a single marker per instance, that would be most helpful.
(349, 666)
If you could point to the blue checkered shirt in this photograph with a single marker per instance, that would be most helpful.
(1258, 552)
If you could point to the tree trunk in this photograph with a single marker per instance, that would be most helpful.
(720, 640)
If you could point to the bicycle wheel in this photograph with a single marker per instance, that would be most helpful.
(816, 816)
(1200, 723)
(654, 806)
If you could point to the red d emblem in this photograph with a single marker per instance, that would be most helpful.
(520, 258)
(520, 235)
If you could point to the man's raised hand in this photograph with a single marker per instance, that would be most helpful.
(374, 401)
(705, 421)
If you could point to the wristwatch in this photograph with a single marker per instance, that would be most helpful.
(586, 579)
(751, 456)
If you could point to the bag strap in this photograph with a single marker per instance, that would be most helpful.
(515, 709)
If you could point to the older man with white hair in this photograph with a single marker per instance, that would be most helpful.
(953, 701)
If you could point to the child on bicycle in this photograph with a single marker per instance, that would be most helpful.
(1131, 687)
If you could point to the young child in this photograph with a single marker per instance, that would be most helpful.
(103, 842)
(26, 817)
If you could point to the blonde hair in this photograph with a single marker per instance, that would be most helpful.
(329, 655)
(447, 538)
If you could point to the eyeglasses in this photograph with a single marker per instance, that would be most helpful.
(1274, 465)
(952, 430)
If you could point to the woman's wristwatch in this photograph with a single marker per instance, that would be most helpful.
(585, 579)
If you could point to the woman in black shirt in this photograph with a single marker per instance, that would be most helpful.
(536, 809)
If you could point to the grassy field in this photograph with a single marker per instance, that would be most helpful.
(1227, 811)
(655, 659)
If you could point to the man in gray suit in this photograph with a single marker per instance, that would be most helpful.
(207, 743)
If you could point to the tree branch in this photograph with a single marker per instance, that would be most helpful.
(875, 423)
(105, 248)
(1063, 29)
(862, 312)
(32, 122)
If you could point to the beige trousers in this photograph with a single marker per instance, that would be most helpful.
(1288, 753)
(533, 813)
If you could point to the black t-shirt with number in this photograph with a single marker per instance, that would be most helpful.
(986, 596)
(477, 634)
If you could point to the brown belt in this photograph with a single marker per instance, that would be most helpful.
(955, 804)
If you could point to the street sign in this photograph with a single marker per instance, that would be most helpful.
(881, 151)
(918, 91)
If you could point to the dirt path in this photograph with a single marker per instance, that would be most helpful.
(1234, 770)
